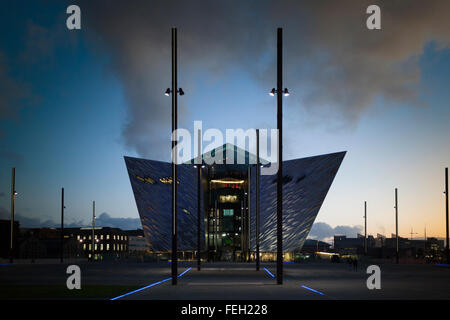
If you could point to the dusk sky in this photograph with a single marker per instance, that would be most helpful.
(74, 102)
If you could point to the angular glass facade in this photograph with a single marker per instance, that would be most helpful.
(228, 206)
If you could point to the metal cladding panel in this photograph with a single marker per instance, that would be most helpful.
(306, 182)
(154, 203)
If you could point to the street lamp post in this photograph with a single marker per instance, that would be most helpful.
(62, 224)
(93, 232)
(13, 198)
(257, 200)
(280, 92)
(199, 180)
(396, 226)
(249, 206)
(174, 91)
(446, 216)
(365, 227)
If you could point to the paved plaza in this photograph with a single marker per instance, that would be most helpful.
(233, 281)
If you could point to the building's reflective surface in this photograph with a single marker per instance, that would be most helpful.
(228, 207)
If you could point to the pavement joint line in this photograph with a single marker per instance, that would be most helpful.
(149, 286)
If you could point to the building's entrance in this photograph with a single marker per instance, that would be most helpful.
(227, 213)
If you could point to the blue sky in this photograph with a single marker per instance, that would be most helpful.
(80, 108)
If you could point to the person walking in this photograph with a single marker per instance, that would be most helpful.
(355, 264)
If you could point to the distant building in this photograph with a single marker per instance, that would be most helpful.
(108, 242)
(5, 238)
(382, 247)
(380, 241)
(343, 244)
(46, 243)
(312, 246)
(136, 241)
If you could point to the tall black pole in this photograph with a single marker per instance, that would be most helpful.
(62, 224)
(365, 227)
(199, 180)
(174, 158)
(244, 229)
(13, 197)
(208, 215)
(257, 200)
(446, 214)
(280, 156)
(93, 231)
(396, 225)
(249, 206)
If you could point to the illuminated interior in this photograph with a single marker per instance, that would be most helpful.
(227, 219)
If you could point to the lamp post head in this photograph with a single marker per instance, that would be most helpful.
(181, 92)
(272, 92)
(15, 193)
(285, 92)
(168, 91)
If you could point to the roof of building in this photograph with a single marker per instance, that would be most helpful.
(231, 154)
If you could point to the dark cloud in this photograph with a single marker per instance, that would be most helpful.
(212, 37)
(334, 65)
(105, 220)
(323, 231)
(14, 96)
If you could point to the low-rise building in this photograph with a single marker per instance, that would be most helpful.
(136, 241)
(108, 242)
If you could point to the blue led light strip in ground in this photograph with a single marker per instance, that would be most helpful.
(150, 285)
(184, 271)
(271, 274)
(7, 264)
(313, 290)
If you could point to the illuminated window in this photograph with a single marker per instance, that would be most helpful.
(78, 237)
(107, 237)
(90, 246)
(101, 237)
(90, 237)
(228, 212)
(107, 247)
(84, 246)
(101, 246)
(228, 198)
